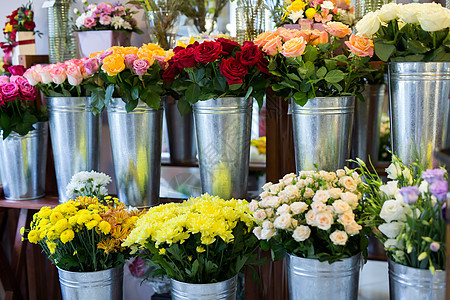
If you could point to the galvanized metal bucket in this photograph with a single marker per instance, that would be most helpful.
(182, 143)
(100, 285)
(136, 139)
(322, 132)
(419, 108)
(22, 163)
(75, 134)
(223, 128)
(310, 279)
(366, 124)
(406, 283)
(224, 290)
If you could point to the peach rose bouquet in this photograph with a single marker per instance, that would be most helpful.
(306, 64)
(315, 214)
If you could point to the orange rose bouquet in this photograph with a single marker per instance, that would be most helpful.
(309, 63)
(130, 73)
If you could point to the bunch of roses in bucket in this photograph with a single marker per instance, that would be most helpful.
(312, 63)
(216, 69)
(201, 240)
(106, 16)
(407, 213)
(18, 107)
(84, 234)
(131, 73)
(315, 215)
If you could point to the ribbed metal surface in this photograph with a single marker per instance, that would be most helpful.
(62, 42)
(225, 290)
(250, 22)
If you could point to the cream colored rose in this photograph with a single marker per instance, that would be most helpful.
(300, 183)
(269, 212)
(253, 206)
(264, 194)
(318, 207)
(282, 196)
(391, 230)
(306, 173)
(392, 210)
(349, 183)
(334, 193)
(309, 181)
(388, 12)
(298, 207)
(350, 198)
(356, 177)
(263, 203)
(321, 196)
(275, 188)
(273, 201)
(289, 176)
(390, 188)
(267, 225)
(292, 192)
(301, 233)
(340, 206)
(408, 13)
(368, 25)
(309, 193)
(267, 233)
(294, 223)
(311, 218)
(267, 186)
(322, 173)
(353, 228)
(330, 176)
(324, 220)
(283, 209)
(346, 218)
(339, 237)
(257, 232)
(283, 221)
(260, 214)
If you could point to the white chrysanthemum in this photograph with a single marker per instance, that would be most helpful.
(126, 25)
(327, 5)
(80, 20)
(117, 22)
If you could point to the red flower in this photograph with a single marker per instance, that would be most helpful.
(170, 73)
(17, 70)
(193, 45)
(208, 51)
(13, 22)
(227, 45)
(184, 58)
(250, 54)
(14, 13)
(262, 65)
(29, 25)
(177, 49)
(233, 70)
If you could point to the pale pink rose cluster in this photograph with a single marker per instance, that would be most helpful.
(313, 199)
(73, 71)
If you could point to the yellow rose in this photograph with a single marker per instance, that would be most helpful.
(148, 55)
(67, 236)
(113, 64)
(310, 13)
(296, 6)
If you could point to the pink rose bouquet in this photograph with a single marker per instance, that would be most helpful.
(306, 64)
(18, 107)
(106, 16)
(315, 214)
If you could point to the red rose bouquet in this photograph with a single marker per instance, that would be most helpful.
(18, 107)
(214, 69)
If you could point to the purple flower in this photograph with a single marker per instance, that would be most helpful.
(90, 22)
(10, 91)
(27, 91)
(140, 66)
(439, 190)
(410, 194)
(129, 59)
(431, 176)
(435, 247)
(105, 54)
(91, 65)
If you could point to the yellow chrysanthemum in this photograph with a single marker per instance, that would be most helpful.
(34, 236)
(104, 227)
(296, 6)
(200, 249)
(162, 251)
(55, 217)
(51, 246)
(61, 225)
(310, 13)
(67, 236)
(91, 224)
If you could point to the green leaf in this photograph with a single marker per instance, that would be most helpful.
(109, 92)
(183, 107)
(300, 98)
(249, 92)
(341, 58)
(135, 93)
(152, 99)
(192, 93)
(220, 83)
(384, 50)
(277, 87)
(334, 76)
(272, 65)
(417, 47)
(311, 53)
(324, 47)
(234, 87)
(294, 77)
(330, 64)
(310, 68)
(129, 106)
(321, 72)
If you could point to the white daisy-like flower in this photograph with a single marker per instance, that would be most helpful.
(126, 25)
(295, 16)
(327, 5)
(80, 20)
(117, 22)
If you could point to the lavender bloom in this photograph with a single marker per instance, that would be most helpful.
(431, 176)
(105, 54)
(140, 66)
(410, 194)
(435, 247)
(129, 59)
(439, 190)
(91, 65)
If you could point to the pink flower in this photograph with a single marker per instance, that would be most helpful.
(74, 75)
(119, 11)
(58, 73)
(90, 22)
(324, 17)
(10, 91)
(105, 54)
(27, 91)
(32, 76)
(273, 46)
(140, 66)
(162, 61)
(129, 59)
(105, 6)
(105, 20)
(1, 99)
(4, 79)
(91, 65)
(17, 79)
(45, 74)
(360, 46)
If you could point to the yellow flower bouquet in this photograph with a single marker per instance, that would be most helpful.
(201, 240)
(84, 234)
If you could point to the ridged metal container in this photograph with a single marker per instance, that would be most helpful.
(419, 108)
(363, 7)
(75, 134)
(250, 22)
(136, 139)
(310, 279)
(406, 283)
(322, 132)
(182, 143)
(366, 124)
(223, 128)
(100, 285)
(224, 290)
(22, 163)
(62, 42)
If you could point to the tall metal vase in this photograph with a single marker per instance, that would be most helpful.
(100, 285)
(182, 143)
(75, 134)
(310, 279)
(366, 124)
(407, 283)
(419, 108)
(224, 290)
(136, 139)
(223, 128)
(322, 132)
(250, 22)
(22, 163)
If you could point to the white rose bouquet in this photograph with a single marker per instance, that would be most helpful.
(408, 32)
(407, 213)
(316, 215)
